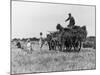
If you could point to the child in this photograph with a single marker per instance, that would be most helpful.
(41, 40)
(29, 45)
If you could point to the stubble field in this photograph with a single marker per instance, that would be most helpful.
(43, 60)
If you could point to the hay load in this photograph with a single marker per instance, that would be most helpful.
(75, 31)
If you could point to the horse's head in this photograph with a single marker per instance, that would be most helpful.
(48, 37)
(59, 27)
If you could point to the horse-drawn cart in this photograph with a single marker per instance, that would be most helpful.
(68, 38)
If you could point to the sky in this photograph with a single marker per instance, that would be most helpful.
(31, 18)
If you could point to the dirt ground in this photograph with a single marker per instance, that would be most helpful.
(43, 60)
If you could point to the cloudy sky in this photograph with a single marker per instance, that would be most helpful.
(31, 18)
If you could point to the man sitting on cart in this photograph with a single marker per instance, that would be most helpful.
(71, 20)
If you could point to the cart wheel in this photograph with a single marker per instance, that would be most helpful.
(77, 46)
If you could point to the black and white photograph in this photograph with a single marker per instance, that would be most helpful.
(52, 37)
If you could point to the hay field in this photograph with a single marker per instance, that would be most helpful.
(46, 61)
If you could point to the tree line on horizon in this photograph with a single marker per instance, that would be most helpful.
(25, 39)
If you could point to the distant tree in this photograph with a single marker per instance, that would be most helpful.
(34, 39)
(91, 38)
(15, 39)
(24, 39)
(90, 42)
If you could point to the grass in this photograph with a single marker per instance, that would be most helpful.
(47, 61)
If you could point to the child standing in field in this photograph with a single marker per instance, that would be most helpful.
(41, 40)
(29, 45)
